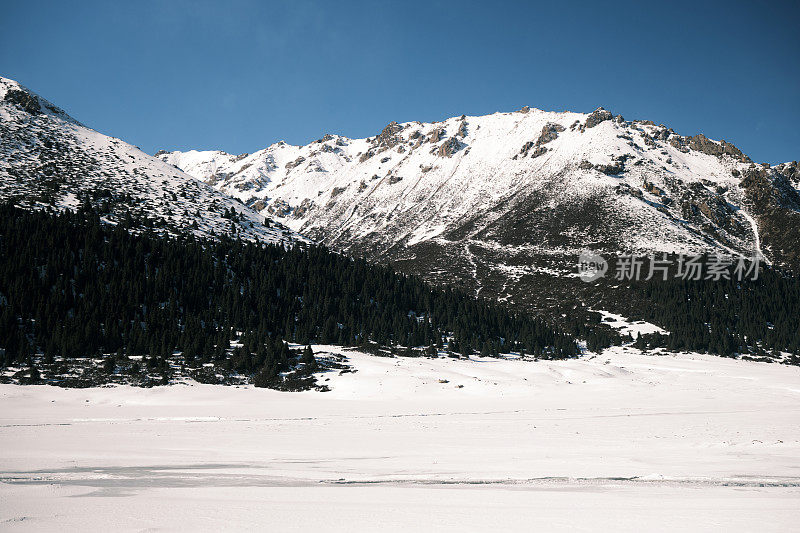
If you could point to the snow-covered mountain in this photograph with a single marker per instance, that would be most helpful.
(47, 158)
(502, 202)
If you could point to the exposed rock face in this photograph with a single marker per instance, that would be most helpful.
(280, 208)
(617, 166)
(24, 100)
(449, 147)
(296, 163)
(653, 189)
(611, 170)
(791, 171)
(462, 129)
(597, 116)
(525, 148)
(388, 137)
(540, 150)
(701, 143)
(549, 133)
(301, 210)
(776, 203)
(436, 135)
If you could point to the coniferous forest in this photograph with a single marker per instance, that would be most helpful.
(72, 286)
(726, 317)
(729, 316)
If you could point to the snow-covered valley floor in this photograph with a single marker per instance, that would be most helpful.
(619, 441)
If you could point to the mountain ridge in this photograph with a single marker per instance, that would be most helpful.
(50, 159)
(489, 200)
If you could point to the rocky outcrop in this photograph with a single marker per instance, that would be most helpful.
(791, 171)
(297, 162)
(770, 189)
(436, 135)
(280, 208)
(525, 149)
(612, 169)
(388, 138)
(301, 210)
(549, 133)
(775, 203)
(617, 166)
(597, 116)
(539, 150)
(701, 143)
(449, 147)
(462, 129)
(653, 189)
(24, 100)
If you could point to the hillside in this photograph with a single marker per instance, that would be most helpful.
(49, 159)
(504, 203)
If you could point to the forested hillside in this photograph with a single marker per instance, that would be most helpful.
(72, 286)
(757, 315)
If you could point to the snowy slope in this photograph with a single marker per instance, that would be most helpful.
(622, 441)
(405, 186)
(47, 158)
(492, 200)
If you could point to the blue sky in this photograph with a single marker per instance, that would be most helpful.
(240, 75)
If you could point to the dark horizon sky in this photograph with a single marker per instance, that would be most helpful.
(240, 75)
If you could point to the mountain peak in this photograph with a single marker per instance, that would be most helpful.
(532, 180)
(16, 94)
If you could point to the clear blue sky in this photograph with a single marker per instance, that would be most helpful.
(240, 75)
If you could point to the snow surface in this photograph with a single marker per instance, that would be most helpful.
(626, 326)
(619, 441)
